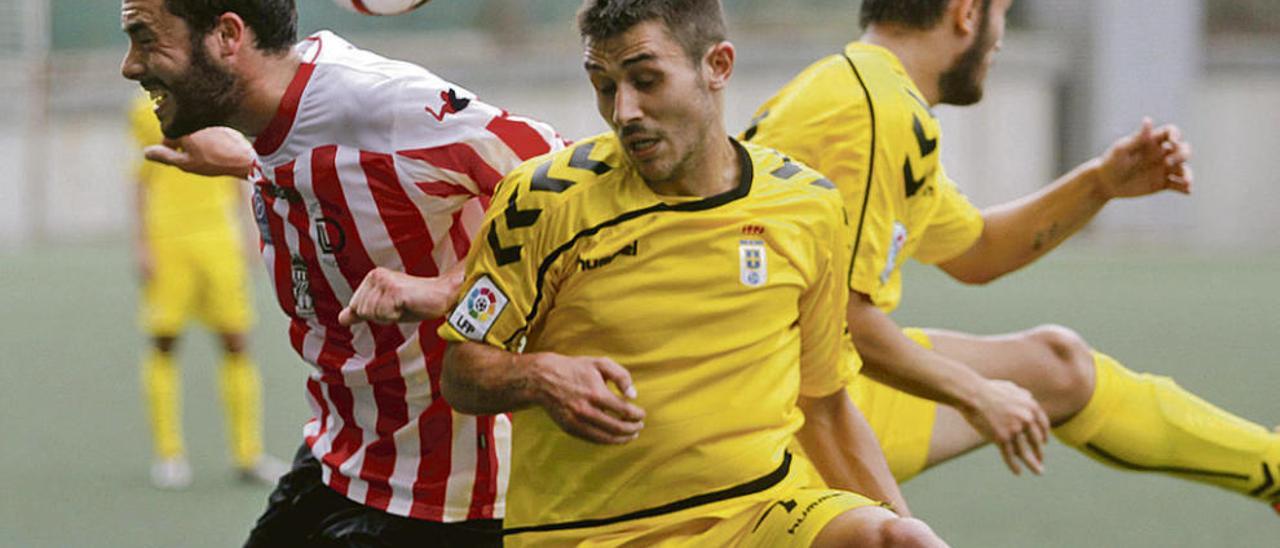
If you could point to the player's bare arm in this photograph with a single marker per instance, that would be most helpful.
(215, 151)
(1019, 232)
(387, 296)
(843, 448)
(575, 391)
(1001, 411)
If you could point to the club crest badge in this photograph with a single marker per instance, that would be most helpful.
(895, 247)
(753, 263)
(478, 309)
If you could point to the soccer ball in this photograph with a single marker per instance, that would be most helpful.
(381, 7)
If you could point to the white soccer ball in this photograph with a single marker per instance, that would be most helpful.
(381, 7)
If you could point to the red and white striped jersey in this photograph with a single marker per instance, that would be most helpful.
(375, 162)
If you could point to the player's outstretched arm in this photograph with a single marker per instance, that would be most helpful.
(387, 296)
(480, 379)
(842, 446)
(1003, 412)
(214, 152)
(1017, 233)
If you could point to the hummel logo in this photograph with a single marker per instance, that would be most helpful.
(452, 105)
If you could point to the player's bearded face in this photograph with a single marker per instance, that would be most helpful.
(201, 96)
(654, 98)
(962, 84)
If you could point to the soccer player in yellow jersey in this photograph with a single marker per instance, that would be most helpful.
(191, 263)
(654, 306)
(863, 118)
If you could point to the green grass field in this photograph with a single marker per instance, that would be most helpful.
(74, 446)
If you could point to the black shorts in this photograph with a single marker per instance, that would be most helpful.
(304, 512)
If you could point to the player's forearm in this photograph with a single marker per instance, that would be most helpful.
(842, 446)
(892, 358)
(478, 379)
(1018, 233)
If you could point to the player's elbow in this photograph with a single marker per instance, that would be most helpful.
(975, 276)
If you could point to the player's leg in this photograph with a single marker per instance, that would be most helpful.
(166, 300)
(872, 527)
(1121, 418)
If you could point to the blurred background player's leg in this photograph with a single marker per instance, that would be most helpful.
(167, 290)
(226, 308)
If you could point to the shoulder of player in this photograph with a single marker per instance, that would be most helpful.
(566, 178)
(777, 172)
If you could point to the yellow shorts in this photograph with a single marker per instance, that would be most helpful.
(787, 514)
(903, 423)
(203, 277)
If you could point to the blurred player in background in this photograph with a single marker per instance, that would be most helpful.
(361, 162)
(190, 259)
(655, 307)
(863, 118)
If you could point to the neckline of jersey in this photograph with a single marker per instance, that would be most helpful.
(745, 179)
(271, 138)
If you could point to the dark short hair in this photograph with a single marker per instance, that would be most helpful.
(274, 22)
(695, 24)
(916, 14)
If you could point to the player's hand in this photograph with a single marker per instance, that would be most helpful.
(1011, 418)
(1145, 162)
(575, 393)
(215, 151)
(386, 296)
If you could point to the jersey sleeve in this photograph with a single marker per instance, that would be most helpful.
(954, 227)
(450, 142)
(501, 284)
(828, 361)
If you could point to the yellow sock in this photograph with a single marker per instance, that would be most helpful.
(242, 400)
(162, 383)
(1149, 423)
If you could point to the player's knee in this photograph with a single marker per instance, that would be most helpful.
(1067, 368)
(164, 344)
(907, 533)
(233, 343)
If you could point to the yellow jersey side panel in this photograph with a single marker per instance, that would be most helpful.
(724, 310)
(859, 118)
(180, 204)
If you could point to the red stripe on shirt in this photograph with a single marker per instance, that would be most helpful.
(458, 233)
(313, 388)
(442, 189)
(519, 136)
(485, 491)
(435, 424)
(273, 136)
(460, 158)
(403, 219)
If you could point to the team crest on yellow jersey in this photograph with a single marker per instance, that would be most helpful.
(753, 263)
(896, 242)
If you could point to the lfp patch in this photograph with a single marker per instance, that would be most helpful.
(753, 264)
(479, 309)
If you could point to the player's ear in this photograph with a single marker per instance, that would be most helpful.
(228, 36)
(965, 16)
(717, 65)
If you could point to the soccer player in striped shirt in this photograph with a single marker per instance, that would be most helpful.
(361, 162)
(863, 117)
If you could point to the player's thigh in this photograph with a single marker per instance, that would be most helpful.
(225, 295)
(801, 516)
(1054, 364)
(169, 296)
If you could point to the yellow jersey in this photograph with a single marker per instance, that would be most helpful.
(179, 204)
(858, 118)
(720, 308)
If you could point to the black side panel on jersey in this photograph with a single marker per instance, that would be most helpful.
(871, 158)
(746, 168)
